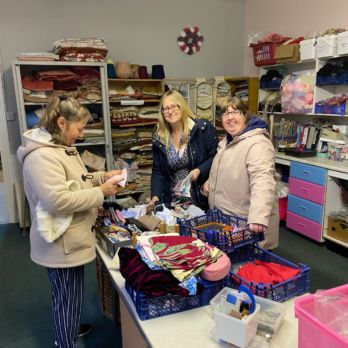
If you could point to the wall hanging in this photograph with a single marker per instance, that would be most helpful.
(190, 40)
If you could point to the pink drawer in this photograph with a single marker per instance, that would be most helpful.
(307, 190)
(304, 226)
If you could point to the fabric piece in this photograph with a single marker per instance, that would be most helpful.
(141, 278)
(52, 226)
(184, 256)
(266, 272)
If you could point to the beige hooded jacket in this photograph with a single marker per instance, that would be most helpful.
(46, 170)
(242, 183)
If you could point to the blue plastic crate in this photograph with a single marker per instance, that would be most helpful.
(339, 109)
(226, 241)
(149, 307)
(280, 292)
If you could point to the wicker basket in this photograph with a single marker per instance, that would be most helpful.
(108, 297)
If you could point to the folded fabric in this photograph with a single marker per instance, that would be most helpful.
(141, 278)
(266, 272)
(52, 226)
(183, 256)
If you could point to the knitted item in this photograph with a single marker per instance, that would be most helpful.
(52, 226)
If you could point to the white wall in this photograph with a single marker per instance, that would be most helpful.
(293, 18)
(140, 31)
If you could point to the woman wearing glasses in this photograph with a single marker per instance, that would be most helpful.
(182, 145)
(241, 180)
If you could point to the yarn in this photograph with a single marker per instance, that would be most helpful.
(123, 70)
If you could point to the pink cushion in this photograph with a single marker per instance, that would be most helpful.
(217, 270)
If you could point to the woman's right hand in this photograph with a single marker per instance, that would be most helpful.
(151, 205)
(205, 189)
(109, 187)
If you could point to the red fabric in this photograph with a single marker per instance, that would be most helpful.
(266, 272)
(275, 38)
(29, 82)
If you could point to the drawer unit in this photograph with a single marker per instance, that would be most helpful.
(304, 226)
(307, 209)
(307, 190)
(308, 173)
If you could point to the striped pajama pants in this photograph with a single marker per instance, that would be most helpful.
(67, 298)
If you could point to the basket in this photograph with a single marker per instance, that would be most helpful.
(149, 307)
(338, 109)
(279, 292)
(108, 298)
(210, 229)
(264, 53)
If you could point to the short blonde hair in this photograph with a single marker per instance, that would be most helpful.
(67, 107)
(163, 127)
(236, 104)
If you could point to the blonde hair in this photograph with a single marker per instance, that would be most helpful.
(67, 107)
(163, 127)
(236, 104)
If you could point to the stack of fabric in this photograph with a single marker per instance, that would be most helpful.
(117, 93)
(82, 83)
(88, 79)
(81, 50)
(38, 56)
(166, 264)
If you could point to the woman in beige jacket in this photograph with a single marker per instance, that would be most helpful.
(61, 234)
(241, 180)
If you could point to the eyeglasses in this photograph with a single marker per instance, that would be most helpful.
(231, 113)
(174, 107)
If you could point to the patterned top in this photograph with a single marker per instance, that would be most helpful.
(179, 164)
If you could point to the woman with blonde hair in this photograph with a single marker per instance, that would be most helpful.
(182, 145)
(63, 199)
(241, 180)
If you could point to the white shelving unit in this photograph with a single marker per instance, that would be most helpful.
(335, 170)
(23, 68)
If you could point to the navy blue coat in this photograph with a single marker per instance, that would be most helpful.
(202, 146)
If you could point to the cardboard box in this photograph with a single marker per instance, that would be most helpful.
(287, 53)
(338, 229)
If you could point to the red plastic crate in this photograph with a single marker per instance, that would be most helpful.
(264, 53)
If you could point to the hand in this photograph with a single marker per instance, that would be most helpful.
(111, 173)
(195, 174)
(110, 187)
(151, 205)
(258, 228)
(205, 189)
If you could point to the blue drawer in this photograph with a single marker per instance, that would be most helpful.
(307, 209)
(308, 173)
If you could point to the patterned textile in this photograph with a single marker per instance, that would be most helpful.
(178, 164)
(184, 256)
(141, 278)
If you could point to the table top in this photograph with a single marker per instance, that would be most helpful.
(193, 327)
(339, 166)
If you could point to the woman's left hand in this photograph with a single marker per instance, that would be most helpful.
(258, 228)
(195, 174)
(111, 173)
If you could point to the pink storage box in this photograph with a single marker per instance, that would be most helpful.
(312, 332)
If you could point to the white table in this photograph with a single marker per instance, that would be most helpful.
(192, 328)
